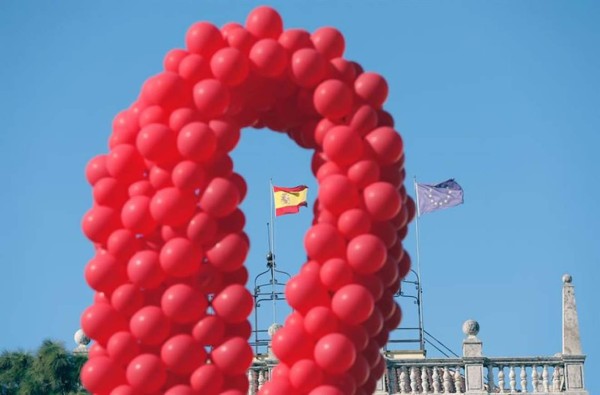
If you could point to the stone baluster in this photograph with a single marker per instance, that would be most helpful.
(523, 379)
(513, 379)
(424, 380)
(393, 380)
(535, 379)
(501, 378)
(252, 381)
(404, 384)
(490, 377)
(545, 383)
(447, 380)
(261, 378)
(458, 381)
(436, 380)
(414, 385)
(556, 387)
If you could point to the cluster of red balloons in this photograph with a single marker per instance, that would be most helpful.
(170, 312)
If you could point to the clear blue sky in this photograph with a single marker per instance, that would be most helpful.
(504, 96)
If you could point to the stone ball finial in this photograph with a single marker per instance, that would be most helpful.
(274, 328)
(567, 278)
(81, 338)
(470, 328)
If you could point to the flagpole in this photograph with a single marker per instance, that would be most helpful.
(420, 290)
(272, 249)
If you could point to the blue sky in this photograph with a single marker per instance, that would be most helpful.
(501, 95)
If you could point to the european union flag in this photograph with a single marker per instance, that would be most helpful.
(438, 197)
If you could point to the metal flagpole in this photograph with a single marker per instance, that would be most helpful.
(420, 290)
(272, 249)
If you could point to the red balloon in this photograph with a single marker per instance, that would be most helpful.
(386, 232)
(404, 265)
(230, 66)
(241, 39)
(354, 222)
(196, 141)
(333, 99)
(194, 68)
(352, 304)
(305, 291)
(335, 353)
(229, 253)
(323, 241)
(305, 375)
(366, 254)
(146, 373)
(321, 129)
(295, 39)
(364, 120)
(179, 257)
(125, 163)
(329, 41)
(382, 200)
(183, 304)
(291, 344)
(204, 38)
(104, 272)
(234, 304)
(264, 22)
(181, 117)
(109, 192)
(374, 324)
(308, 67)
(144, 269)
(360, 370)
(227, 133)
(373, 283)
(122, 244)
(156, 142)
(268, 58)
(241, 329)
(220, 197)
(180, 389)
(343, 70)
(160, 177)
(320, 321)
(122, 347)
(372, 88)
(150, 325)
(100, 375)
(233, 223)
(234, 356)
(393, 321)
(386, 143)
(96, 169)
(358, 335)
(211, 98)
(163, 89)
(153, 114)
(127, 299)
(389, 272)
(327, 169)
(123, 390)
(335, 273)
(207, 380)
(279, 386)
(136, 217)
(202, 229)
(173, 206)
(96, 350)
(364, 172)
(188, 175)
(209, 331)
(99, 222)
(172, 59)
(338, 194)
(343, 145)
(100, 321)
(182, 354)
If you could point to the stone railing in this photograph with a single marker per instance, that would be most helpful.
(409, 372)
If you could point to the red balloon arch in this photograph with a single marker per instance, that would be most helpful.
(171, 310)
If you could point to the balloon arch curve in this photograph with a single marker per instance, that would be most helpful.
(170, 314)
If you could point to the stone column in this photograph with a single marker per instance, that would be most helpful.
(571, 342)
(473, 358)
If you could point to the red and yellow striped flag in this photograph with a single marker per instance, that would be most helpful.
(289, 200)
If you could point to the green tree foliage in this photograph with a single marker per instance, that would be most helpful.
(51, 371)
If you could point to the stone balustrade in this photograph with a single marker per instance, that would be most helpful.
(474, 373)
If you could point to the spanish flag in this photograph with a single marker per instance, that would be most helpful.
(289, 200)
